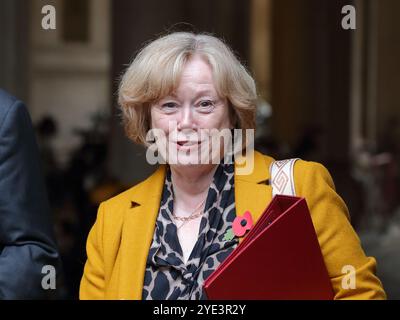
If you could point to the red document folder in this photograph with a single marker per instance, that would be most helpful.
(280, 258)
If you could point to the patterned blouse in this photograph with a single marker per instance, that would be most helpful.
(167, 276)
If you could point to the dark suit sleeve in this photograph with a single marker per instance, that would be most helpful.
(26, 232)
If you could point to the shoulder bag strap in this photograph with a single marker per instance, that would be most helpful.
(282, 178)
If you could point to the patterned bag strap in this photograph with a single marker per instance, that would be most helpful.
(282, 178)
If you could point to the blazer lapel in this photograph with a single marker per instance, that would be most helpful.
(137, 234)
(253, 192)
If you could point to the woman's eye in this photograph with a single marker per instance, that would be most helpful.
(169, 106)
(207, 104)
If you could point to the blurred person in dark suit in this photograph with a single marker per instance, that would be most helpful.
(28, 253)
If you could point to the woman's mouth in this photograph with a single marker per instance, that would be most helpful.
(187, 143)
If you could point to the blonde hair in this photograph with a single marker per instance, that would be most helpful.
(156, 70)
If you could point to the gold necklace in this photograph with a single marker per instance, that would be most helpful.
(192, 216)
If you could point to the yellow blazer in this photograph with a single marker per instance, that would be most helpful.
(119, 241)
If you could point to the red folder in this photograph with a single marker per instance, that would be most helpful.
(280, 258)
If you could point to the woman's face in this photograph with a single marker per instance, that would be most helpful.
(188, 116)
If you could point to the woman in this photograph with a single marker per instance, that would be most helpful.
(162, 238)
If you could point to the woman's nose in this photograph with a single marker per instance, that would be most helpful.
(186, 120)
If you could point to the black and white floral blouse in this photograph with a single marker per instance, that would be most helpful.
(167, 276)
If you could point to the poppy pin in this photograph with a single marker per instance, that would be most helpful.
(240, 226)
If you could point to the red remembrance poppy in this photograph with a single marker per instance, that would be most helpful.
(242, 223)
